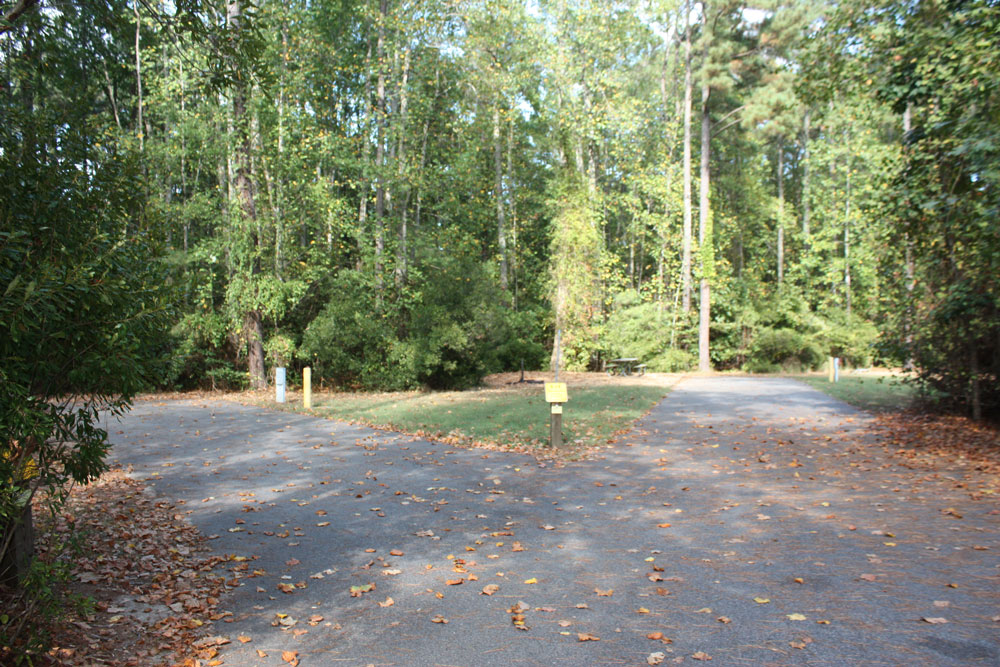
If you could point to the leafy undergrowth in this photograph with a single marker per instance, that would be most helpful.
(154, 593)
(927, 441)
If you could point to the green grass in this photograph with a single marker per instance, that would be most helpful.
(877, 393)
(504, 418)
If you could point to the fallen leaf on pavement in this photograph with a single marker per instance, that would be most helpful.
(490, 589)
(587, 637)
(357, 591)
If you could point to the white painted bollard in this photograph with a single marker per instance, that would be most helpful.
(836, 369)
(307, 390)
(279, 385)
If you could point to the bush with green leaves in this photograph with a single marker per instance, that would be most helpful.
(783, 349)
(84, 311)
(449, 330)
(851, 339)
(201, 352)
(644, 330)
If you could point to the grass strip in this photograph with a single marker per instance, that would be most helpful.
(516, 419)
(877, 393)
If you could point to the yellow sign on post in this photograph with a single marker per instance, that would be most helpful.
(555, 392)
(307, 393)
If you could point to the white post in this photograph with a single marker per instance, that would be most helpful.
(836, 369)
(279, 385)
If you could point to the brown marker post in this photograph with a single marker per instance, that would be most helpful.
(555, 395)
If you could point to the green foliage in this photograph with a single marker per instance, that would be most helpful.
(352, 341)
(782, 350)
(29, 612)
(280, 349)
(83, 313)
(932, 61)
(579, 264)
(450, 331)
(644, 330)
(853, 340)
(199, 350)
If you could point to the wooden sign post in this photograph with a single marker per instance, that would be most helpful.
(555, 396)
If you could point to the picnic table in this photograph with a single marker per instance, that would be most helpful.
(624, 366)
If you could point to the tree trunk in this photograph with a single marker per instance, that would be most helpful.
(401, 250)
(705, 240)
(138, 78)
(423, 150)
(805, 176)
(17, 548)
(910, 269)
(380, 117)
(977, 400)
(781, 213)
(513, 208)
(686, 241)
(243, 185)
(847, 234)
(498, 186)
(365, 184)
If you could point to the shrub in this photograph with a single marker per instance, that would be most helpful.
(672, 361)
(351, 342)
(782, 349)
(642, 330)
(853, 342)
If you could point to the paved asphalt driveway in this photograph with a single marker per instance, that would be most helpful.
(745, 519)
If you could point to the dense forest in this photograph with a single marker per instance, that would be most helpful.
(405, 193)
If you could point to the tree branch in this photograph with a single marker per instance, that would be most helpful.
(14, 13)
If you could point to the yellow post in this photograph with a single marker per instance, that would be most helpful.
(829, 369)
(307, 390)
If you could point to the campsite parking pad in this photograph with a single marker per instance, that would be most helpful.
(750, 521)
